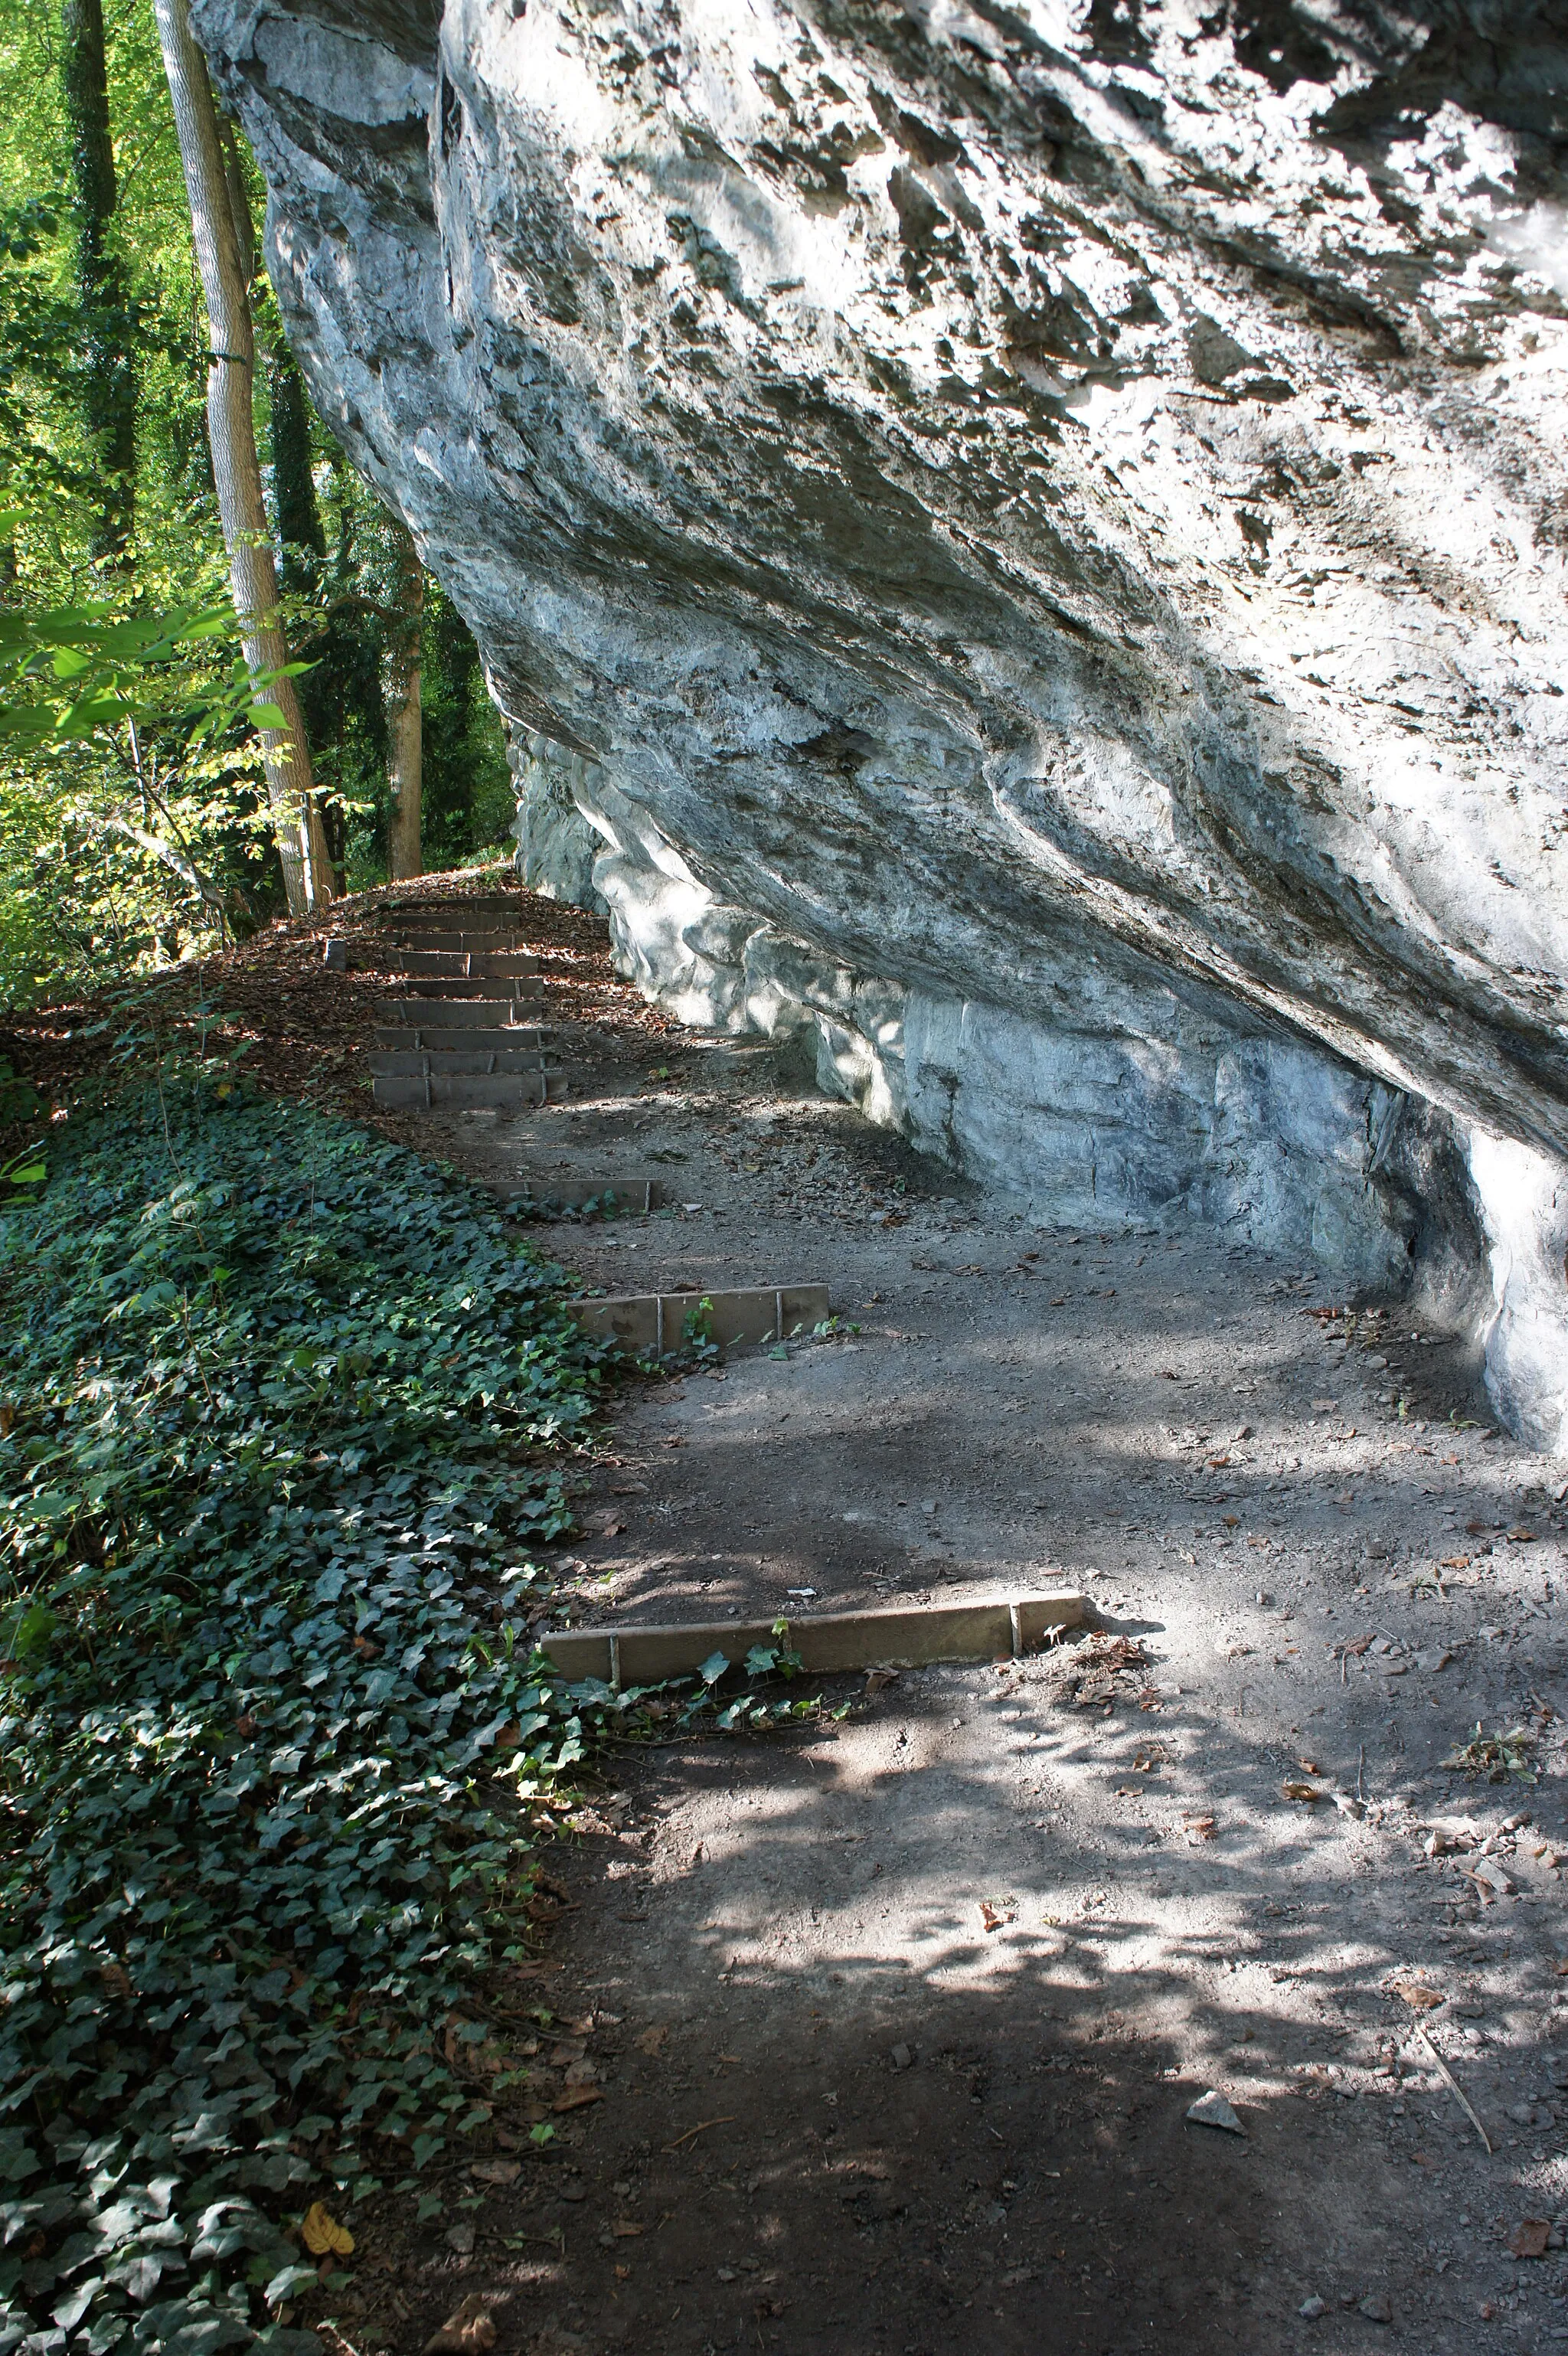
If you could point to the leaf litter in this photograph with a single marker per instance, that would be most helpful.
(289, 1411)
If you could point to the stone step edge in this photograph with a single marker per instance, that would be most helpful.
(460, 1039)
(470, 1091)
(657, 1321)
(440, 914)
(989, 1628)
(414, 1008)
(460, 1064)
(340, 957)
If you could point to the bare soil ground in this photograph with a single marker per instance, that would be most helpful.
(882, 2034)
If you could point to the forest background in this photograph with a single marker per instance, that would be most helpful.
(123, 847)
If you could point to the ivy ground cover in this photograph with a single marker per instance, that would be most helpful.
(281, 1412)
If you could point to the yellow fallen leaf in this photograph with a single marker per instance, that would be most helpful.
(323, 2234)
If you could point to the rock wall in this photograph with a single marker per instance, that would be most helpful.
(1042, 527)
(1126, 1104)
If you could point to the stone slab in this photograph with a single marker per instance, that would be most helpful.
(408, 1063)
(463, 965)
(895, 1636)
(652, 1323)
(485, 987)
(438, 1038)
(476, 914)
(455, 1013)
(462, 1092)
(504, 944)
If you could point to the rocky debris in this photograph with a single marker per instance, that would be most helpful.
(1212, 2110)
(1103, 1671)
(1031, 552)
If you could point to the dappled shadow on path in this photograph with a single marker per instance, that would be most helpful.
(845, 2112)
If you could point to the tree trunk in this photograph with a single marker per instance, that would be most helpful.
(301, 563)
(109, 383)
(300, 534)
(231, 431)
(405, 719)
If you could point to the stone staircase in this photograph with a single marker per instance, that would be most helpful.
(460, 1037)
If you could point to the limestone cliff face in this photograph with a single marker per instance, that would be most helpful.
(1036, 534)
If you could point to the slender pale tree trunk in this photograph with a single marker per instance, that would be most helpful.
(405, 719)
(109, 383)
(231, 431)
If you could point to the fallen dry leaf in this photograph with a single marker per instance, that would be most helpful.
(1530, 2237)
(626, 2231)
(468, 2331)
(1309, 1767)
(1307, 1792)
(576, 2096)
(322, 2235)
(1418, 1996)
(996, 1917)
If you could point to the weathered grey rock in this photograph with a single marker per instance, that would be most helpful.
(557, 845)
(1043, 530)
(1212, 2110)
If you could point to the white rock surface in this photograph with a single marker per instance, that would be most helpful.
(1043, 530)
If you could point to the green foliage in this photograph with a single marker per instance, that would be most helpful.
(87, 672)
(277, 1407)
(126, 732)
(74, 891)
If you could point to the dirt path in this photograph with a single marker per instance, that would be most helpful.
(895, 2023)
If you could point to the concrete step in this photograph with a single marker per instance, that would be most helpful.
(621, 1197)
(481, 986)
(493, 944)
(464, 965)
(444, 1039)
(899, 1636)
(649, 1324)
(403, 1063)
(464, 1091)
(452, 1013)
(476, 916)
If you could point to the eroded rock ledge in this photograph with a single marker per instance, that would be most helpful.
(1042, 530)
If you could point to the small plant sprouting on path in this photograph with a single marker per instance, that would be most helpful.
(1507, 1753)
(278, 1404)
(697, 1346)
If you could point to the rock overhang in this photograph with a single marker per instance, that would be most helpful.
(996, 492)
